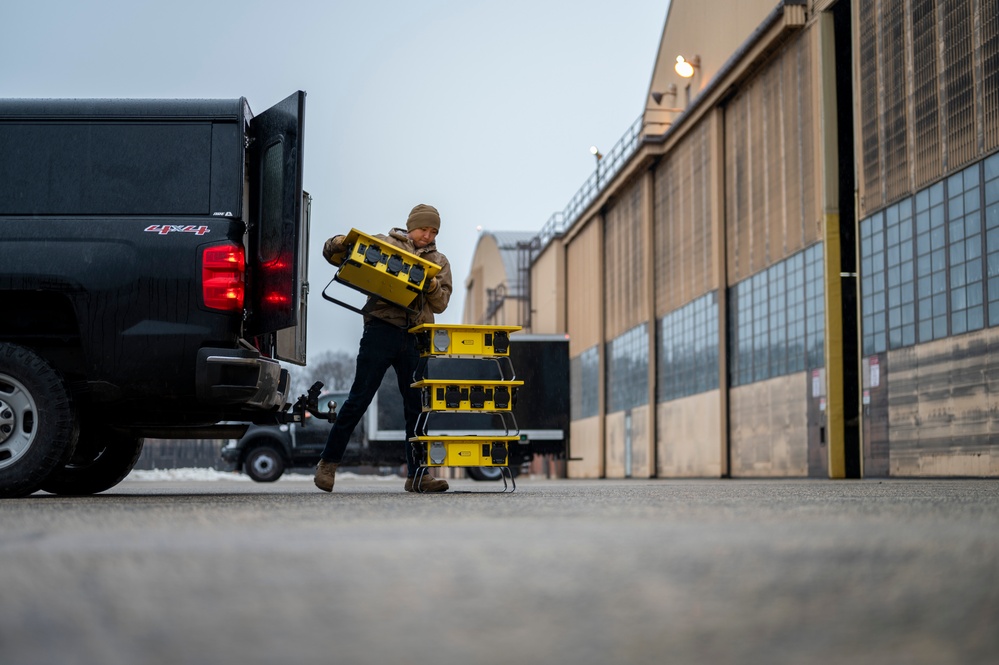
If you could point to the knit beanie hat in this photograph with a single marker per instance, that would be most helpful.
(423, 215)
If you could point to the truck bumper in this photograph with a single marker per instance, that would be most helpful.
(241, 376)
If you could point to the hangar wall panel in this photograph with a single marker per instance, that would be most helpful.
(926, 95)
(990, 72)
(547, 286)
(768, 423)
(684, 269)
(583, 288)
(929, 102)
(586, 437)
(623, 263)
(628, 444)
(770, 184)
(688, 441)
(942, 401)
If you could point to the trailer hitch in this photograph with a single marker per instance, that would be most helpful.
(309, 403)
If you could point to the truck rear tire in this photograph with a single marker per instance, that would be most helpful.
(38, 426)
(103, 457)
(264, 464)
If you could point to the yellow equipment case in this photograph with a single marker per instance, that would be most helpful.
(448, 395)
(466, 450)
(463, 340)
(380, 269)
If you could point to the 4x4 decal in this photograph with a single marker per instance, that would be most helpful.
(164, 229)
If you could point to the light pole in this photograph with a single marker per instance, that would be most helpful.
(596, 153)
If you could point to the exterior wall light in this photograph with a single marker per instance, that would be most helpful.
(657, 97)
(684, 67)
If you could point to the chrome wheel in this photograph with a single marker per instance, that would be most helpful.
(17, 420)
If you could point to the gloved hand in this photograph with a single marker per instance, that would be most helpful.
(431, 285)
(333, 250)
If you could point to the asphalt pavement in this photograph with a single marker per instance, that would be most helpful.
(577, 572)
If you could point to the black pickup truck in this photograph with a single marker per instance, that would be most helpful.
(153, 262)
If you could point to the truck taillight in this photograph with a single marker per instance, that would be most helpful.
(222, 285)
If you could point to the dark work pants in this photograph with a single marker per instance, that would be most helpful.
(382, 346)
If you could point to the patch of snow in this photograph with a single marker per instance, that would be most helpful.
(185, 474)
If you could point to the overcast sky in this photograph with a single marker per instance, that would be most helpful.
(484, 109)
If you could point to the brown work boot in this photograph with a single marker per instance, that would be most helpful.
(427, 484)
(325, 475)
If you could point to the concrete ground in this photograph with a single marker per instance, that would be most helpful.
(603, 571)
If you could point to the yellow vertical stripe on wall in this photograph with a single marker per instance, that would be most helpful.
(834, 350)
(829, 172)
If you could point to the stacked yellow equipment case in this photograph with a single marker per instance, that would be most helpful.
(483, 396)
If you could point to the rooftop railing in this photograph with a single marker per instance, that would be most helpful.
(607, 168)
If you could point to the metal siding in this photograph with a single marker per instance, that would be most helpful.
(609, 263)
(773, 175)
(870, 95)
(701, 168)
(547, 287)
(990, 72)
(757, 179)
(623, 264)
(683, 223)
(893, 119)
(959, 83)
(875, 409)
(806, 129)
(926, 93)
(770, 164)
(797, 114)
(583, 289)
(737, 220)
(942, 403)
(666, 234)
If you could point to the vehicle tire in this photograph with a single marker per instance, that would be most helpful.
(38, 427)
(264, 464)
(489, 472)
(103, 457)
